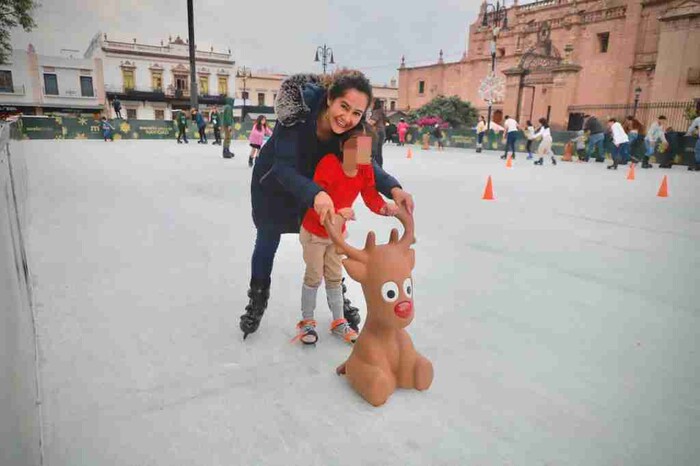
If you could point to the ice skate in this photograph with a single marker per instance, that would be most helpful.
(341, 328)
(250, 321)
(306, 332)
(350, 312)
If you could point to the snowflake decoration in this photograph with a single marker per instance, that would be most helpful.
(492, 88)
(82, 121)
(125, 127)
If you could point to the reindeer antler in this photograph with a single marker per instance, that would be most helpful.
(335, 233)
(406, 220)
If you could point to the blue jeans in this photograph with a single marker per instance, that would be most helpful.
(697, 151)
(621, 153)
(510, 142)
(480, 138)
(650, 147)
(596, 140)
(266, 244)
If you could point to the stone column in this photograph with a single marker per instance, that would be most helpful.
(563, 94)
(511, 105)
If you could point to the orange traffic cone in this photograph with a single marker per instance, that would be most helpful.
(568, 152)
(488, 192)
(409, 154)
(663, 189)
(630, 173)
(509, 162)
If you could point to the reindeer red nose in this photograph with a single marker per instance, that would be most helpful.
(404, 309)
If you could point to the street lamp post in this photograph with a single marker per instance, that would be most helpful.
(497, 20)
(326, 52)
(637, 93)
(194, 102)
(244, 73)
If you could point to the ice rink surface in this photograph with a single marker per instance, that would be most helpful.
(562, 319)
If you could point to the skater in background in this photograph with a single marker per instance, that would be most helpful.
(378, 121)
(580, 141)
(227, 121)
(259, 131)
(530, 135)
(694, 130)
(634, 129)
(402, 129)
(437, 134)
(480, 132)
(391, 135)
(510, 136)
(215, 121)
(621, 144)
(545, 147)
(668, 150)
(312, 116)
(656, 136)
(595, 134)
(181, 127)
(201, 126)
(107, 129)
(117, 108)
(343, 177)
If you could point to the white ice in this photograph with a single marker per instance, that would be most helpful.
(562, 318)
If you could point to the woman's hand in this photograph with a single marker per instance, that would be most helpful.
(323, 205)
(401, 197)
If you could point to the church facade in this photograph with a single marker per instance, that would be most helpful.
(563, 58)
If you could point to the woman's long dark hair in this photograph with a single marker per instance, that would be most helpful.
(258, 122)
(543, 122)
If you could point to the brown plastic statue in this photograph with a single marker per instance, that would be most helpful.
(383, 357)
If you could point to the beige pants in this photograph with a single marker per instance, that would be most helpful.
(321, 260)
(545, 147)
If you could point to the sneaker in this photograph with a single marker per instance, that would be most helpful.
(306, 332)
(342, 329)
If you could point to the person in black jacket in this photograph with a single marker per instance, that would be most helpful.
(311, 118)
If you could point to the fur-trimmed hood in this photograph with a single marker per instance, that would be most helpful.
(297, 96)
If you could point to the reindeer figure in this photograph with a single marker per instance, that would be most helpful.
(383, 357)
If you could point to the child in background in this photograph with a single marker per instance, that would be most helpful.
(530, 135)
(480, 132)
(107, 129)
(343, 181)
(580, 141)
(545, 147)
(259, 131)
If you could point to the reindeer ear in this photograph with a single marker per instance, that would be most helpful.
(356, 269)
(412, 257)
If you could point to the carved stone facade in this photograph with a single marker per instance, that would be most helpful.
(560, 53)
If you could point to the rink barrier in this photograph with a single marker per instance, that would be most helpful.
(33, 127)
(20, 406)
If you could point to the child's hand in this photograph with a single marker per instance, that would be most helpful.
(390, 210)
(347, 213)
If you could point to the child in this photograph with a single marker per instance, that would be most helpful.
(621, 144)
(201, 126)
(259, 131)
(529, 134)
(216, 124)
(437, 134)
(181, 127)
(545, 147)
(480, 132)
(107, 129)
(580, 141)
(343, 181)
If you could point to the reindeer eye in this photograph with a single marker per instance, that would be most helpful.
(408, 287)
(390, 292)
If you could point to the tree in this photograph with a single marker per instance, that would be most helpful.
(452, 110)
(14, 13)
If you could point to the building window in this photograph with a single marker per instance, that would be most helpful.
(160, 114)
(181, 82)
(157, 81)
(274, 97)
(501, 52)
(131, 113)
(392, 105)
(50, 84)
(261, 99)
(603, 42)
(421, 87)
(204, 85)
(86, 89)
(6, 81)
(128, 79)
(244, 95)
(223, 85)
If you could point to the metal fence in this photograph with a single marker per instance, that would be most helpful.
(675, 112)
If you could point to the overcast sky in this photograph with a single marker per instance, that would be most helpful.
(369, 35)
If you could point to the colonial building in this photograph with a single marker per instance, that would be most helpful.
(563, 58)
(153, 80)
(34, 84)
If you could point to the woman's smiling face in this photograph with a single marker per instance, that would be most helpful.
(346, 111)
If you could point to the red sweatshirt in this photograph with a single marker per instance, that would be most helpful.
(343, 190)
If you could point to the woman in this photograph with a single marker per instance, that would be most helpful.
(378, 122)
(545, 147)
(259, 131)
(402, 129)
(480, 132)
(311, 119)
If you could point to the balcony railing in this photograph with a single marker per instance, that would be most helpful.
(13, 90)
(157, 92)
(68, 94)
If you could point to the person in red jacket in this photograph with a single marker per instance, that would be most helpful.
(343, 181)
